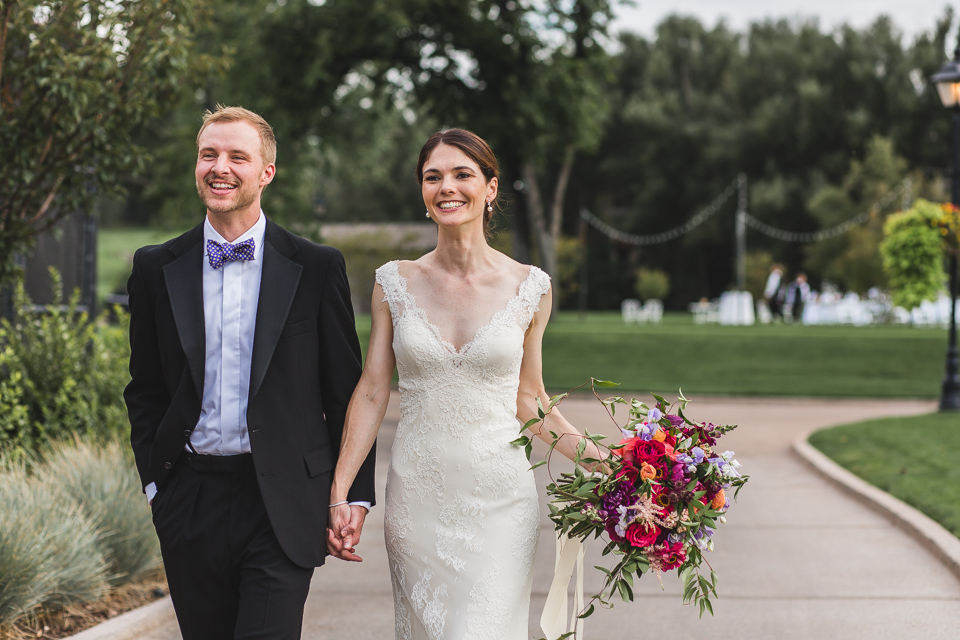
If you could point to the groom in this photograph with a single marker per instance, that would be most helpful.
(244, 355)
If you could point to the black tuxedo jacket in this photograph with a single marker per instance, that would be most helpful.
(305, 365)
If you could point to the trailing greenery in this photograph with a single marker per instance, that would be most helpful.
(702, 359)
(913, 249)
(50, 554)
(919, 474)
(61, 373)
(101, 477)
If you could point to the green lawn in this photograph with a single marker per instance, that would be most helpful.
(115, 248)
(838, 361)
(910, 458)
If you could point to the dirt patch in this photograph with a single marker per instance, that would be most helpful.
(76, 618)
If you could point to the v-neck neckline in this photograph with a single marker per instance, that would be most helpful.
(412, 303)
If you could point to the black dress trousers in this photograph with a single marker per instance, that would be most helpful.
(210, 515)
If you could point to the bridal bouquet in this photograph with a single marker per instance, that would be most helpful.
(665, 490)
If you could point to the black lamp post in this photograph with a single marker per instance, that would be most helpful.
(948, 86)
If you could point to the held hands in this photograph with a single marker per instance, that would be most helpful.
(343, 531)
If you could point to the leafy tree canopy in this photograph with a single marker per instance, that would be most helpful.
(77, 80)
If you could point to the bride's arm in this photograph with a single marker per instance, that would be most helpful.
(531, 388)
(368, 404)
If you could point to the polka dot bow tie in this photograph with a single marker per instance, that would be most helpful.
(218, 253)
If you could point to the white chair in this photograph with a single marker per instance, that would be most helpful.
(653, 311)
(631, 311)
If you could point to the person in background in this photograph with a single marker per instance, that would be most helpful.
(798, 292)
(773, 291)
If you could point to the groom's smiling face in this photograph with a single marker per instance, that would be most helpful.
(231, 173)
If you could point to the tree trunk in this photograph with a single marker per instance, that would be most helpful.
(548, 230)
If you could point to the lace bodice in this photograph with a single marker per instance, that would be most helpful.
(461, 514)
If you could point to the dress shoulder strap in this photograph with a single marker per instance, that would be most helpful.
(394, 288)
(531, 291)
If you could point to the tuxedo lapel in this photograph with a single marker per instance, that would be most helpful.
(184, 280)
(278, 285)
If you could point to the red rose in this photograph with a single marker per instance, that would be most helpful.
(649, 451)
(642, 535)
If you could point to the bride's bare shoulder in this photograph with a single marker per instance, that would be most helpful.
(512, 271)
(411, 267)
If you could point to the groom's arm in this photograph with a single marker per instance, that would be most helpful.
(341, 365)
(146, 395)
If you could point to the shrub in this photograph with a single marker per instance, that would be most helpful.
(49, 550)
(63, 374)
(652, 284)
(913, 253)
(102, 479)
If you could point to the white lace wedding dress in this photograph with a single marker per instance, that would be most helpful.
(461, 514)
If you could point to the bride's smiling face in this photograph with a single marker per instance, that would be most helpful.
(454, 189)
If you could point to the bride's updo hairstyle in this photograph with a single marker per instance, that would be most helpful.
(477, 149)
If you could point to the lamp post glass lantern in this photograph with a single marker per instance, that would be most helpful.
(948, 87)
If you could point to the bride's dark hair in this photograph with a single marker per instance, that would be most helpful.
(476, 149)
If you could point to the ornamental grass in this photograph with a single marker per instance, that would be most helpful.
(102, 479)
(74, 526)
(50, 554)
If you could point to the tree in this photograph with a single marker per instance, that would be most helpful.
(525, 77)
(77, 81)
(852, 260)
(787, 103)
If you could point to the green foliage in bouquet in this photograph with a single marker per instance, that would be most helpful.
(913, 249)
(61, 373)
(657, 496)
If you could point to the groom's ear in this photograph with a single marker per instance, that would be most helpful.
(267, 174)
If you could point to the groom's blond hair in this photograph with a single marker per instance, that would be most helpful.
(222, 114)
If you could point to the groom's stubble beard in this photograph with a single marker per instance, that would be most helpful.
(242, 198)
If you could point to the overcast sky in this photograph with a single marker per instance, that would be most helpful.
(912, 16)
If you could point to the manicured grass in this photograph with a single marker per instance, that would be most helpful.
(115, 249)
(906, 457)
(790, 360)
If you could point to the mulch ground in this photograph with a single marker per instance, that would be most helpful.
(76, 618)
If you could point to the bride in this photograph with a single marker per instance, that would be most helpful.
(463, 325)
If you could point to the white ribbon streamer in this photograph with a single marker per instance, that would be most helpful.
(553, 621)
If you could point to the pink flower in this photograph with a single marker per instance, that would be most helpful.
(672, 556)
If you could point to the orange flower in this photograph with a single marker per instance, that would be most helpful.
(659, 435)
(718, 500)
(648, 472)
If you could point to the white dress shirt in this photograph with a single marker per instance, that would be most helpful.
(230, 298)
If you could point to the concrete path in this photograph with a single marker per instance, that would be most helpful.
(797, 559)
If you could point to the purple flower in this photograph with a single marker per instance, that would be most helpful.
(691, 460)
(677, 475)
(621, 496)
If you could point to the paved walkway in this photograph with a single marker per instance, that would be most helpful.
(798, 558)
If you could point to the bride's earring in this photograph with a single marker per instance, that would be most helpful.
(428, 214)
(489, 207)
